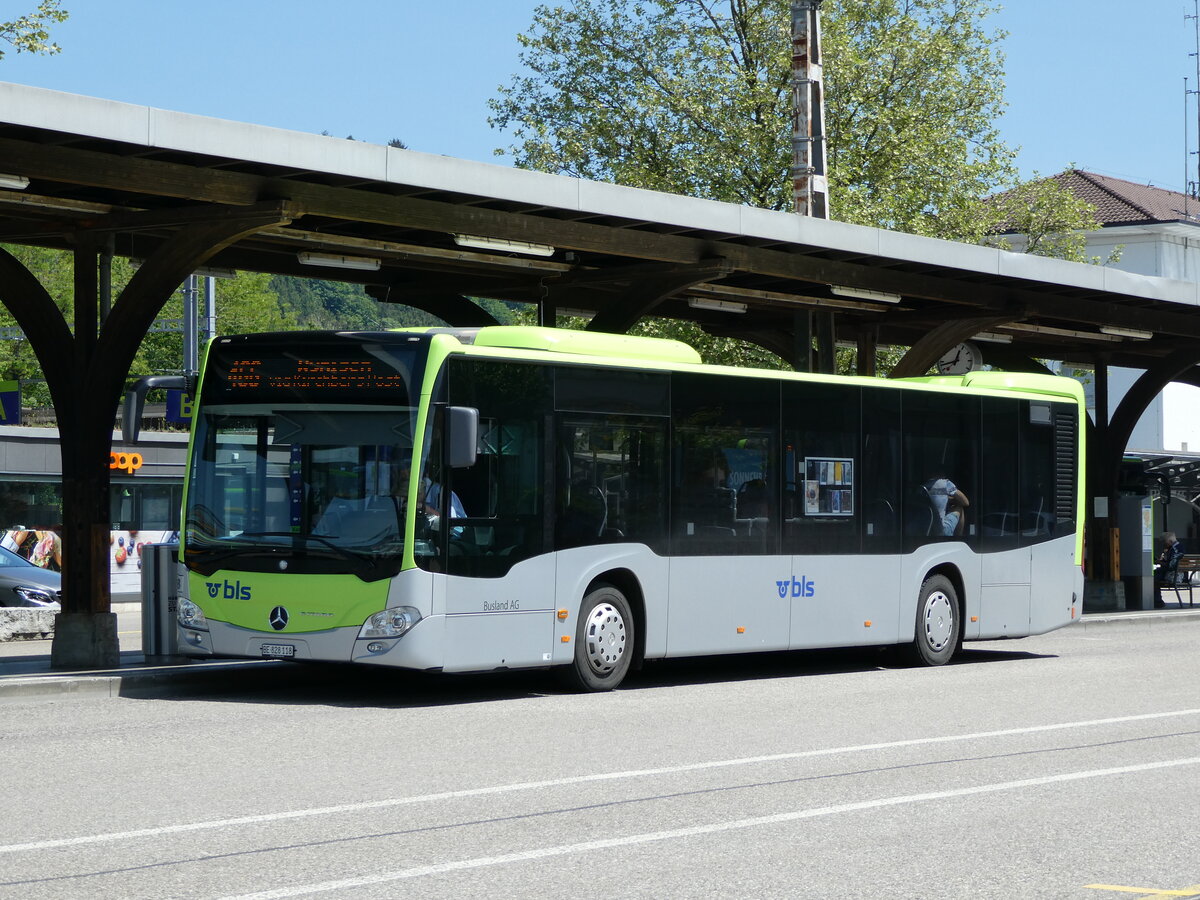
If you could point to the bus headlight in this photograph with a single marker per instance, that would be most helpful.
(390, 623)
(191, 615)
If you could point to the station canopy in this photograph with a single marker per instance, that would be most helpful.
(435, 232)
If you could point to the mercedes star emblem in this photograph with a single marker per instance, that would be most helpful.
(279, 618)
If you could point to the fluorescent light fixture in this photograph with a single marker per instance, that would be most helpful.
(1060, 332)
(14, 182)
(728, 306)
(214, 272)
(993, 337)
(864, 294)
(1127, 332)
(504, 246)
(366, 263)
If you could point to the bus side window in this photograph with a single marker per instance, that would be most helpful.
(821, 424)
(504, 492)
(881, 514)
(725, 480)
(941, 440)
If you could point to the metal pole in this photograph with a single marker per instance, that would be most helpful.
(190, 365)
(210, 308)
(810, 187)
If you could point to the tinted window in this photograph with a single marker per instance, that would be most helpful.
(612, 391)
(998, 515)
(940, 440)
(821, 468)
(879, 488)
(725, 486)
(609, 480)
(1037, 472)
(503, 494)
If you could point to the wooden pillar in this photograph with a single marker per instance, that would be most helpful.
(868, 342)
(802, 340)
(826, 343)
(1102, 563)
(85, 632)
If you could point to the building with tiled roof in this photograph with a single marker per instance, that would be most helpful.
(1157, 232)
(1119, 202)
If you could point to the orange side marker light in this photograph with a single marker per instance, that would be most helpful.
(974, 618)
(867, 624)
(562, 614)
(566, 639)
(741, 630)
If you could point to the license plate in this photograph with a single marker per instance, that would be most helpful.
(278, 651)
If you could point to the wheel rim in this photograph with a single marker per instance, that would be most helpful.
(939, 620)
(605, 638)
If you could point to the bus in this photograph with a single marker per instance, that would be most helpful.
(510, 497)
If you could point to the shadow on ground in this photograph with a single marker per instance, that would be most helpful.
(343, 685)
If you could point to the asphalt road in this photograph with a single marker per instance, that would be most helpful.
(1063, 766)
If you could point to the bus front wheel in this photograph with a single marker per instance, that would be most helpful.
(603, 641)
(939, 624)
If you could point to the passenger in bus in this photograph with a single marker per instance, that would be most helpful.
(950, 502)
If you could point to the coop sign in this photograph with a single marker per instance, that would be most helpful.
(125, 462)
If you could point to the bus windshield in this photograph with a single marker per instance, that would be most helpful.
(320, 490)
(301, 453)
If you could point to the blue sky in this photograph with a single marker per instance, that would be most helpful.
(1094, 82)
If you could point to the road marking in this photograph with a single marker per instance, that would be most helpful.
(698, 830)
(1148, 893)
(265, 818)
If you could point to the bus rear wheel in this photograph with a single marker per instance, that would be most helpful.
(939, 624)
(603, 641)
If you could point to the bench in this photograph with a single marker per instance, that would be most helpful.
(1184, 577)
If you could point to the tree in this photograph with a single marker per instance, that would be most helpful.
(1052, 218)
(694, 97)
(30, 34)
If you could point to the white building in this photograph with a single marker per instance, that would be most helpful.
(1158, 233)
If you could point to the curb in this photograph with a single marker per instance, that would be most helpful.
(143, 682)
(1144, 618)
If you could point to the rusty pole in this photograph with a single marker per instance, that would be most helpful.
(809, 184)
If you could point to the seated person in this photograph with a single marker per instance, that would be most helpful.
(1166, 569)
(433, 500)
(951, 504)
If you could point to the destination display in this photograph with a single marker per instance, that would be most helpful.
(346, 374)
(303, 374)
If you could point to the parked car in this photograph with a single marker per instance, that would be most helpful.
(24, 584)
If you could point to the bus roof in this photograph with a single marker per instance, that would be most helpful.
(624, 349)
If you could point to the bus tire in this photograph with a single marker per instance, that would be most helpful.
(939, 623)
(603, 641)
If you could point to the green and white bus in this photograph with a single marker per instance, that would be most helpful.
(471, 500)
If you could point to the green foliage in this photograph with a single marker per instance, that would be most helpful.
(1051, 218)
(694, 97)
(31, 33)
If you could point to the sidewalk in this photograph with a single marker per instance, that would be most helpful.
(25, 671)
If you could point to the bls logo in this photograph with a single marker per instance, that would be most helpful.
(801, 588)
(235, 591)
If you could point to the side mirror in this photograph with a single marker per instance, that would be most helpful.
(462, 436)
(135, 401)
